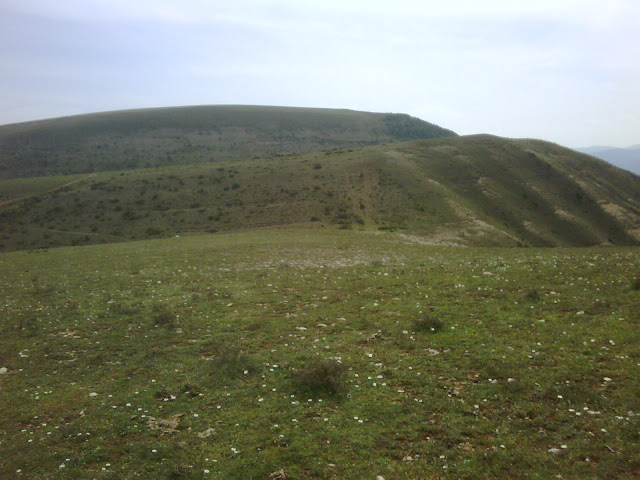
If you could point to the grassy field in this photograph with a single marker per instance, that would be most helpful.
(318, 354)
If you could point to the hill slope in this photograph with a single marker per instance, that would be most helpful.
(179, 135)
(472, 190)
(627, 158)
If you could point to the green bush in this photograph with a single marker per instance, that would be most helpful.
(427, 324)
(227, 361)
(321, 376)
(532, 295)
(163, 317)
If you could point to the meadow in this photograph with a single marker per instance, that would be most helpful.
(318, 353)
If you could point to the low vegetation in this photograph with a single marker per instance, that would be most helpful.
(318, 354)
(476, 190)
(157, 137)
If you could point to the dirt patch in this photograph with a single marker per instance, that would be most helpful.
(165, 426)
(620, 213)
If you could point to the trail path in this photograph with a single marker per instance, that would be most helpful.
(14, 200)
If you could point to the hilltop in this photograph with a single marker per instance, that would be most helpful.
(145, 138)
(468, 190)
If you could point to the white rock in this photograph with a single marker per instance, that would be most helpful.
(93, 394)
(209, 432)
(379, 477)
(3, 370)
(554, 450)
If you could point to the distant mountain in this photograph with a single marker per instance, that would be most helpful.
(468, 190)
(627, 158)
(146, 138)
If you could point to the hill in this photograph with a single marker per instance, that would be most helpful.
(181, 135)
(627, 158)
(470, 190)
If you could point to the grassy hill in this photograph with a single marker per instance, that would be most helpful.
(318, 354)
(179, 135)
(472, 190)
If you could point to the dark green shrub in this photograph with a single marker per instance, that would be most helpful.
(163, 317)
(227, 361)
(321, 376)
(427, 324)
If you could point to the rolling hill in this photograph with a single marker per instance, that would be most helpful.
(468, 190)
(179, 135)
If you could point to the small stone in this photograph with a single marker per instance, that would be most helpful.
(606, 379)
(93, 394)
(3, 370)
(209, 432)
(554, 450)
(379, 477)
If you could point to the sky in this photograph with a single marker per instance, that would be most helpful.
(567, 71)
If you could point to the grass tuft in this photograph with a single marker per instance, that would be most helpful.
(428, 324)
(163, 317)
(228, 362)
(532, 295)
(321, 376)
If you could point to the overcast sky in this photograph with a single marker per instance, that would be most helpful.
(562, 70)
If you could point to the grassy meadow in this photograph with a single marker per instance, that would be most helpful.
(318, 353)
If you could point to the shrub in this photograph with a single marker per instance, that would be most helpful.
(427, 324)
(228, 361)
(163, 317)
(321, 376)
(28, 325)
(532, 295)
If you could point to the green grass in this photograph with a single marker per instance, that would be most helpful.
(230, 332)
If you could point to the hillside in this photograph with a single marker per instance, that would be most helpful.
(627, 158)
(471, 190)
(181, 135)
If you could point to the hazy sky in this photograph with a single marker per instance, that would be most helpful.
(563, 70)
